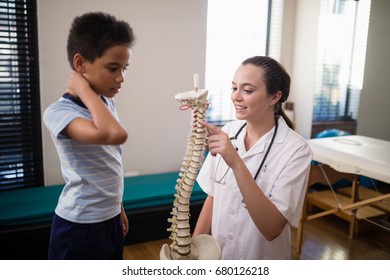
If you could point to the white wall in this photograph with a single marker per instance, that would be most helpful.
(288, 34)
(303, 64)
(373, 118)
(170, 48)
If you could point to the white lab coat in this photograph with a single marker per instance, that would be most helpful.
(283, 179)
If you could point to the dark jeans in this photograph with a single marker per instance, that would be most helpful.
(97, 241)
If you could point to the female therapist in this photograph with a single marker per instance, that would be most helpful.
(257, 168)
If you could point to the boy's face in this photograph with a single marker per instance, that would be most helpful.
(107, 73)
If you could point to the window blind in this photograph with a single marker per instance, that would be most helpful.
(20, 122)
(342, 38)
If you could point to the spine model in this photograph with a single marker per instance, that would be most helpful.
(183, 246)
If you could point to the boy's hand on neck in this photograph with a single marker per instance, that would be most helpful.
(78, 85)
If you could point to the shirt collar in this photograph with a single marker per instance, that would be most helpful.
(78, 101)
(260, 145)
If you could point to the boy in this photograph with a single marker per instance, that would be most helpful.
(89, 220)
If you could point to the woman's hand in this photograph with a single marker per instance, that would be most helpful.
(219, 143)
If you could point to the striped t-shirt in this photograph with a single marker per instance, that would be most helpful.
(93, 174)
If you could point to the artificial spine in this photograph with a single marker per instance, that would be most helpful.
(181, 247)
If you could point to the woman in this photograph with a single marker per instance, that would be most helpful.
(257, 169)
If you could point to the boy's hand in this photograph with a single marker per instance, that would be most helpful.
(77, 84)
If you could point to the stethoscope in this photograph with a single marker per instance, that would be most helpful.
(235, 137)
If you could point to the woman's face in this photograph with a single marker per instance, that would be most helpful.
(249, 94)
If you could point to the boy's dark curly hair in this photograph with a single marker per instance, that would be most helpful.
(91, 34)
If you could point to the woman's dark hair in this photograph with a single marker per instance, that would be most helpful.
(276, 79)
(91, 34)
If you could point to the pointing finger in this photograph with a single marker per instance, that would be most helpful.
(211, 128)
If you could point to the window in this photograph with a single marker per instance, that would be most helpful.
(342, 38)
(236, 30)
(20, 123)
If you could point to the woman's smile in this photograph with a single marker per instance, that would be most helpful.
(240, 108)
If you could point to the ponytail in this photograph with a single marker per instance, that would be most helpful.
(279, 111)
(287, 119)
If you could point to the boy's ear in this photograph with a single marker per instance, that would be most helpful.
(79, 63)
